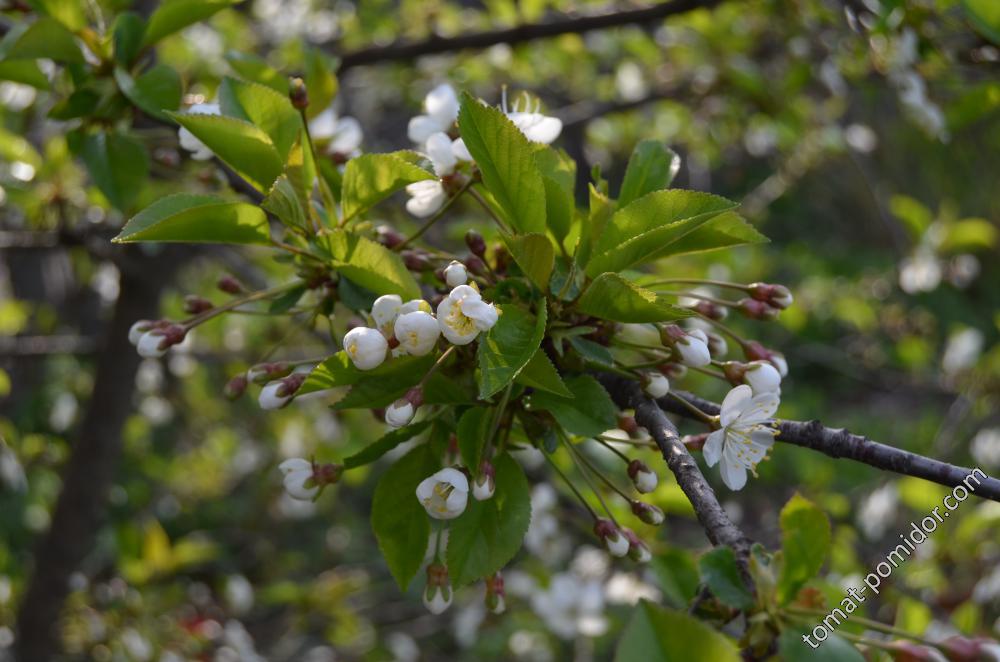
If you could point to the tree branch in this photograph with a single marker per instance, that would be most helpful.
(840, 443)
(408, 50)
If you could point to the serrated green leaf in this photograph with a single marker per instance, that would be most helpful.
(268, 110)
(508, 347)
(724, 231)
(611, 297)
(287, 301)
(592, 351)
(370, 178)
(43, 38)
(283, 201)
(488, 534)
(399, 520)
(588, 413)
(155, 91)
(541, 374)
(722, 576)
(655, 634)
(387, 383)
(371, 265)
(472, 429)
(242, 146)
(338, 371)
(805, 542)
(505, 158)
(652, 167)
(117, 164)
(174, 15)
(600, 212)
(255, 68)
(646, 227)
(385, 444)
(834, 648)
(320, 81)
(534, 254)
(185, 217)
(24, 71)
(559, 178)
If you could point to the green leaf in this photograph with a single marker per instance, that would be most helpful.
(255, 68)
(337, 371)
(601, 210)
(471, 431)
(268, 110)
(385, 444)
(488, 534)
(68, 12)
(505, 159)
(389, 384)
(655, 634)
(677, 573)
(805, 542)
(985, 17)
(174, 15)
(117, 164)
(835, 648)
(559, 178)
(24, 71)
(724, 231)
(320, 82)
(126, 36)
(287, 301)
(370, 178)
(186, 217)
(14, 147)
(611, 297)
(155, 91)
(722, 576)
(283, 201)
(534, 254)
(652, 167)
(371, 265)
(540, 373)
(241, 145)
(508, 347)
(639, 232)
(44, 38)
(399, 520)
(588, 413)
(592, 351)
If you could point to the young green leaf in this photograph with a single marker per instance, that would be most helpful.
(387, 383)
(320, 81)
(508, 347)
(186, 217)
(117, 163)
(655, 634)
(126, 35)
(505, 159)
(534, 254)
(611, 297)
(43, 38)
(724, 231)
(24, 71)
(472, 429)
(283, 201)
(722, 576)
(242, 146)
(253, 67)
(541, 374)
(652, 167)
(805, 542)
(370, 178)
(588, 413)
(385, 444)
(68, 12)
(398, 518)
(155, 91)
(268, 110)
(488, 534)
(175, 15)
(559, 178)
(371, 265)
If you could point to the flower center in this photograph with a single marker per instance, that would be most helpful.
(438, 500)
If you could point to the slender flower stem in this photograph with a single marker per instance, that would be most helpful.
(570, 484)
(867, 622)
(437, 364)
(633, 442)
(482, 201)
(710, 373)
(601, 439)
(695, 295)
(250, 298)
(604, 479)
(298, 251)
(313, 216)
(699, 414)
(698, 281)
(495, 423)
(433, 219)
(583, 472)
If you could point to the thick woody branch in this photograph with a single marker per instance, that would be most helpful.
(718, 527)
(840, 443)
(409, 50)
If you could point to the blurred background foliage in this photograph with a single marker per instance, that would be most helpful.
(864, 140)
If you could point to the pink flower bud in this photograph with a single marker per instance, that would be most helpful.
(711, 310)
(195, 305)
(475, 242)
(495, 595)
(637, 549)
(235, 387)
(777, 296)
(648, 513)
(265, 372)
(485, 484)
(388, 237)
(611, 538)
(757, 310)
(229, 285)
(642, 476)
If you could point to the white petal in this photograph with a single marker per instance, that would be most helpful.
(421, 127)
(460, 151)
(712, 450)
(760, 408)
(456, 503)
(323, 126)
(295, 464)
(438, 148)
(347, 137)
(425, 490)
(453, 477)
(733, 475)
(734, 404)
(441, 104)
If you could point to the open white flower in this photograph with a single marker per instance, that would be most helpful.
(385, 310)
(534, 125)
(426, 197)
(414, 305)
(445, 494)
(463, 314)
(199, 151)
(762, 377)
(344, 133)
(441, 107)
(456, 274)
(417, 332)
(743, 440)
(365, 347)
(298, 479)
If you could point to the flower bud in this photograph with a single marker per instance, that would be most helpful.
(905, 651)
(229, 285)
(501, 258)
(416, 261)
(399, 413)
(776, 296)
(717, 345)
(628, 424)
(456, 274)
(711, 310)
(299, 481)
(757, 310)
(263, 373)
(195, 305)
(365, 347)
(637, 549)
(674, 370)
(476, 243)
(656, 385)
(388, 236)
(611, 538)
(475, 265)
(648, 513)
(235, 387)
(495, 601)
(279, 393)
(136, 331)
(155, 342)
(961, 649)
(485, 485)
(690, 346)
(438, 594)
(298, 94)
(417, 332)
(639, 334)
(762, 377)
(642, 476)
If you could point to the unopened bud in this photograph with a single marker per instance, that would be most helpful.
(648, 513)
(644, 478)
(475, 265)
(637, 549)
(438, 594)
(266, 372)
(416, 261)
(674, 370)
(298, 94)
(717, 345)
(710, 310)
(501, 258)
(476, 243)
(235, 387)
(485, 484)
(628, 424)
(777, 296)
(229, 285)
(611, 537)
(757, 310)
(388, 237)
(195, 305)
(495, 595)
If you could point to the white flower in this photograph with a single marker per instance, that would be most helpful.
(445, 494)
(484, 487)
(777, 359)
(199, 151)
(762, 377)
(571, 607)
(657, 385)
(693, 349)
(136, 331)
(385, 310)
(426, 197)
(152, 344)
(417, 332)
(456, 274)
(344, 133)
(414, 305)
(642, 476)
(437, 599)
(399, 413)
(534, 125)
(365, 347)
(298, 479)
(441, 107)
(274, 395)
(463, 314)
(743, 440)
(438, 148)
